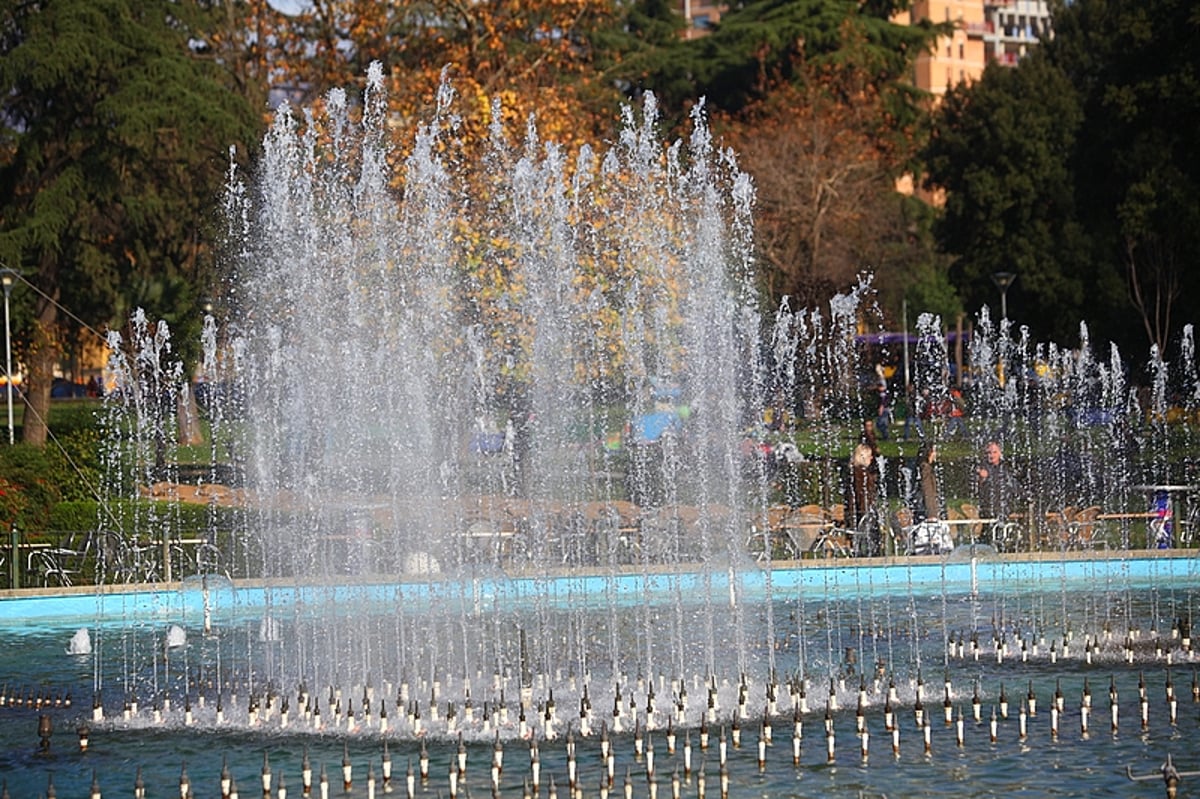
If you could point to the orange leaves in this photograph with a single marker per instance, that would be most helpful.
(610, 248)
(822, 165)
(530, 51)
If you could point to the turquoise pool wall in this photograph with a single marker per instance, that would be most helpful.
(843, 579)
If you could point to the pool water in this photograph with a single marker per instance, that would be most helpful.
(835, 636)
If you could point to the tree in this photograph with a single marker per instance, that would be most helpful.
(814, 98)
(823, 180)
(116, 138)
(1078, 171)
(826, 144)
(759, 46)
(1135, 69)
(236, 38)
(1001, 149)
(916, 271)
(538, 57)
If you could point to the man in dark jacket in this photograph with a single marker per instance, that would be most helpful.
(998, 489)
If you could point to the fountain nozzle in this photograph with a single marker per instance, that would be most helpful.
(45, 730)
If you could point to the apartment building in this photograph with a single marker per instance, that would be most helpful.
(1015, 27)
(989, 31)
(700, 15)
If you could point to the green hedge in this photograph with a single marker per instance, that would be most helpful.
(186, 518)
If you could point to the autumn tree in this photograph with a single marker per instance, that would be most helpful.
(236, 38)
(536, 57)
(825, 144)
(814, 99)
(817, 172)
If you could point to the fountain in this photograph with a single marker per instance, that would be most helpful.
(501, 510)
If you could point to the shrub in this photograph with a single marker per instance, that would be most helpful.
(73, 516)
(30, 474)
(75, 464)
(33, 480)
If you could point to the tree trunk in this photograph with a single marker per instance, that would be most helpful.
(188, 413)
(42, 357)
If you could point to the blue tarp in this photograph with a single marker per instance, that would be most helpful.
(650, 427)
(487, 443)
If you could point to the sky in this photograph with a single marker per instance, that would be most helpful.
(289, 6)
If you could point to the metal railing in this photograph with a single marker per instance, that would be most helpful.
(64, 559)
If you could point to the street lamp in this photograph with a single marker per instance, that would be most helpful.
(1003, 280)
(7, 278)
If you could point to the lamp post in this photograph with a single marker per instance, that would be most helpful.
(1003, 280)
(7, 277)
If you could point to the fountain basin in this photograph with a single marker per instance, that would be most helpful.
(800, 619)
(921, 574)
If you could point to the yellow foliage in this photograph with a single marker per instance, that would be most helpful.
(625, 241)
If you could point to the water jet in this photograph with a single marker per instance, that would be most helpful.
(391, 563)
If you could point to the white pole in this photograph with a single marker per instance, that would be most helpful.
(8, 356)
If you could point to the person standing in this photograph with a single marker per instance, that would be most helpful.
(928, 503)
(997, 488)
(906, 408)
(1162, 524)
(884, 410)
(955, 423)
(861, 496)
(930, 533)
